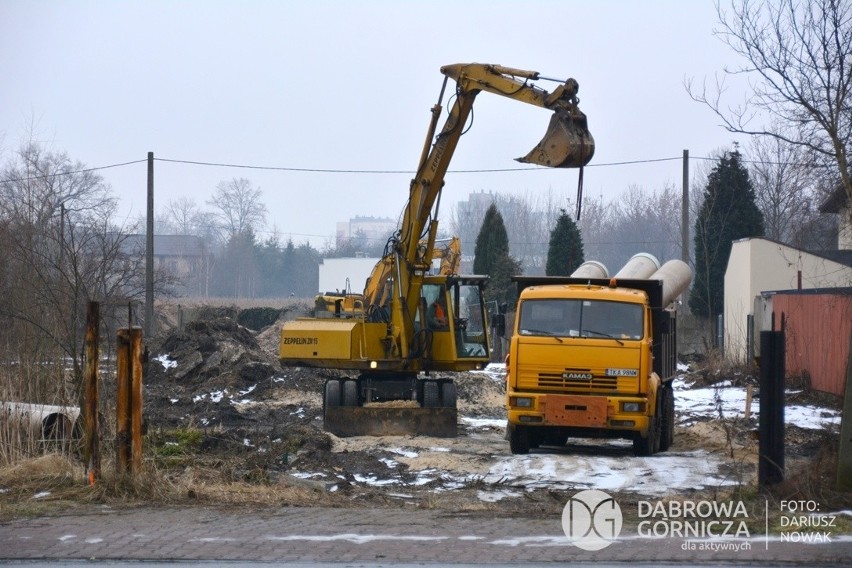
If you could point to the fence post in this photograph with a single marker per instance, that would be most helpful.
(93, 449)
(136, 398)
(770, 468)
(844, 457)
(129, 400)
(122, 402)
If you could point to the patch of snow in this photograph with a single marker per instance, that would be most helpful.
(498, 495)
(173, 400)
(400, 495)
(494, 371)
(302, 475)
(248, 390)
(406, 453)
(215, 396)
(94, 540)
(63, 538)
(41, 495)
(166, 362)
(389, 462)
(708, 402)
(373, 479)
(484, 422)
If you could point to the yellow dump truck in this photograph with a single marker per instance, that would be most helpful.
(594, 357)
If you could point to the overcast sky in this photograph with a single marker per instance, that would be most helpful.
(348, 86)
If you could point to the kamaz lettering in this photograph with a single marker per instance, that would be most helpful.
(583, 376)
(300, 341)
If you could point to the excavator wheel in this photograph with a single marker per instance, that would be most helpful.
(430, 394)
(332, 393)
(449, 396)
(350, 393)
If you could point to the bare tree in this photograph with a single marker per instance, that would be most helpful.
(798, 58)
(238, 207)
(182, 216)
(783, 188)
(59, 249)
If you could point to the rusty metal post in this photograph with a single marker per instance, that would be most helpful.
(122, 403)
(129, 400)
(93, 449)
(136, 399)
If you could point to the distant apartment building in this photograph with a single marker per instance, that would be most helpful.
(368, 231)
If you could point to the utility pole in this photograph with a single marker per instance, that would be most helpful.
(684, 220)
(149, 252)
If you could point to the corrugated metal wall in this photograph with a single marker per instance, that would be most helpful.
(819, 327)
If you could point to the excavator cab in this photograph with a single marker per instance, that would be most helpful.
(450, 334)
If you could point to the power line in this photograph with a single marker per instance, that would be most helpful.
(409, 172)
(74, 172)
(375, 172)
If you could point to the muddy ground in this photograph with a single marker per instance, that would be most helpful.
(217, 400)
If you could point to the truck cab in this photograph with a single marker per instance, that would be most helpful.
(591, 358)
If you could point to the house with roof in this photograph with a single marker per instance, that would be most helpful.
(183, 257)
(767, 279)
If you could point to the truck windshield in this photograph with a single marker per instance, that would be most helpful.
(581, 318)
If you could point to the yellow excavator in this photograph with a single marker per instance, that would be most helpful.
(412, 324)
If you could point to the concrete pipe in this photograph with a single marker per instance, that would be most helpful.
(639, 267)
(44, 421)
(591, 269)
(676, 276)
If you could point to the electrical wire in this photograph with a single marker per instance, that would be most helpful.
(377, 172)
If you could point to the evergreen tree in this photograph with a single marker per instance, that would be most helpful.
(727, 213)
(492, 258)
(565, 252)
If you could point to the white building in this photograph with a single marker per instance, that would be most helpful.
(345, 274)
(759, 265)
(374, 230)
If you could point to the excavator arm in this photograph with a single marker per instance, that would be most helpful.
(395, 336)
(566, 144)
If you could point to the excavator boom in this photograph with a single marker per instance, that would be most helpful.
(409, 322)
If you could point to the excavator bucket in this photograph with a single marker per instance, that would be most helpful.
(567, 143)
(345, 421)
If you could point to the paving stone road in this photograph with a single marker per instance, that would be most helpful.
(365, 536)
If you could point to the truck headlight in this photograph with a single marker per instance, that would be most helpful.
(521, 402)
(632, 407)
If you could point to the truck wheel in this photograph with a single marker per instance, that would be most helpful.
(667, 430)
(448, 395)
(650, 445)
(519, 439)
(430, 394)
(350, 393)
(332, 393)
